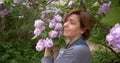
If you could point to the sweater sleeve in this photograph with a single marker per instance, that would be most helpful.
(47, 59)
(82, 54)
(78, 54)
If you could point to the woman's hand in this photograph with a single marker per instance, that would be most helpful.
(47, 51)
(55, 51)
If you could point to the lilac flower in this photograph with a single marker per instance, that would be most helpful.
(44, 14)
(46, 11)
(110, 38)
(96, 3)
(39, 48)
(1, 2)
(113, 37)
(48, 42)
(38, 23)
(60, 33)
(58, 27)
(42, 28)
(40, 42)
(39, 27)
(29, 5)
(17, 1)
(58, 18)
(58, 11)
(105, 8)
(40, 45)
(52, 23)
(4, 12)
(37, 32)
(53, 34)
(70, 4)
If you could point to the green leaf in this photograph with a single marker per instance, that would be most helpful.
(112, 17)
(115, 3)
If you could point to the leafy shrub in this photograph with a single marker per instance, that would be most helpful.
(103, 55)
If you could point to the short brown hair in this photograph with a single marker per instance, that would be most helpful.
(86, 21)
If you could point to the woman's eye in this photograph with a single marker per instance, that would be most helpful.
(72, 22)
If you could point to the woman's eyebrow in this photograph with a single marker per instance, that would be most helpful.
(71, 19)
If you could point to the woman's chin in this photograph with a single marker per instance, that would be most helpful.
(66, 35)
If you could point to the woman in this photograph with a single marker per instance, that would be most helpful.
(77, 27)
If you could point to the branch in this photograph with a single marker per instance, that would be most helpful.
(49, 2)
(83, 5)
(3, 24)
(111, 50)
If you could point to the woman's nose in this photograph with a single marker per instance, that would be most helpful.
(66, 24)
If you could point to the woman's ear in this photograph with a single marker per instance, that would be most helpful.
(83, 30)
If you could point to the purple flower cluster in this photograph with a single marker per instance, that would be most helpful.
(58, 12)
(39, 27)
(53, 34)
(113, 37)
(42, 43)
(29, 5)
(56, 25)
(3, 11)
(45, 16)
(105, 8)
(70, 4)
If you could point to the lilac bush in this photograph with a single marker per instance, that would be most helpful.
(113, 37)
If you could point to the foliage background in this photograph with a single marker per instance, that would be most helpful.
(16, 45)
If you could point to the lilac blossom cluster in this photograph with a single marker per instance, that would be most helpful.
(45, 16)
(39, 27)
(70, 4)
(42, 43)
(55, 23)
(3, 11)
(55, 27)
(113, 37)
(105, 8)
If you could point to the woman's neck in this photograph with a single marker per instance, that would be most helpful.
(73, 39)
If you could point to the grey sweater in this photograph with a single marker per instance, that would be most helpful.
(71, 54)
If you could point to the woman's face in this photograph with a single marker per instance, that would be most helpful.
(72, 27)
